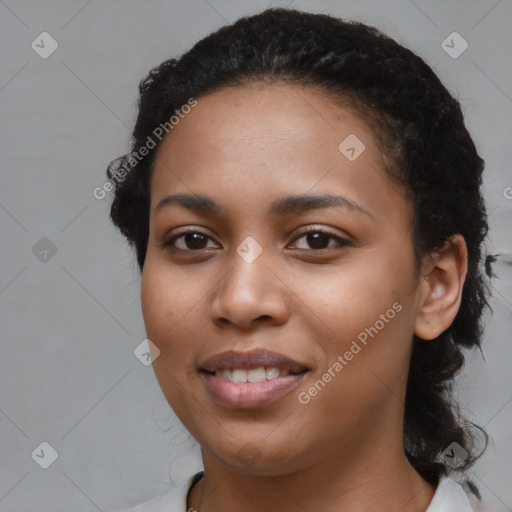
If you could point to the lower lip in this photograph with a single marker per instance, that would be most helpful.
(251, 394)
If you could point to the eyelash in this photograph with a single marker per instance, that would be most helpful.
(310, 229)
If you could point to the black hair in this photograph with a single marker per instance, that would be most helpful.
(427, 150)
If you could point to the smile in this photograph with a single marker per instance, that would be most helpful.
(247, 394)
(260, 374)
(250, 379)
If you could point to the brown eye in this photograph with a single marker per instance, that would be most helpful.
(188, 241)
(318, 239)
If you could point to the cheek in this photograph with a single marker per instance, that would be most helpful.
(171, 301)
(369, 328)
(349, 299)
(166, 297)
(165, 302)
(156, 303)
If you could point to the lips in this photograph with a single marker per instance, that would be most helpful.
(251, 379)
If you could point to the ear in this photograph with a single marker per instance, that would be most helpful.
(441, 288)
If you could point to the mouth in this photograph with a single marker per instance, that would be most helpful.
(251, 379)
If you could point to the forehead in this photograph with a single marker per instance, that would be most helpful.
(283, 117)
(254, 143)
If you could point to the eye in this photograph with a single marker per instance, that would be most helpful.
(190, 240)
(317, 238)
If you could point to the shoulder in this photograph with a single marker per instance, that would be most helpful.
(451, 496)
(173, 500)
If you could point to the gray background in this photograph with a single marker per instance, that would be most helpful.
(70, 324)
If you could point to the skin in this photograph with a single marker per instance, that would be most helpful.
(246, 147)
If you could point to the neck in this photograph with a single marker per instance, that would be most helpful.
(358, 478)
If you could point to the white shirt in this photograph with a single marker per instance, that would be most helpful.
(450, 496)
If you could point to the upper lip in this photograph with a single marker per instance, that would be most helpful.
(256, 358)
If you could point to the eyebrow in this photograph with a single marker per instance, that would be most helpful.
(283, 206)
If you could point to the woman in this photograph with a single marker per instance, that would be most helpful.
(305, 205)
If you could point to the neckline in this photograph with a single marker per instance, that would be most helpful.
(444, 485)
(193, 483)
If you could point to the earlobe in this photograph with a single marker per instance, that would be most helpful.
(441, 289)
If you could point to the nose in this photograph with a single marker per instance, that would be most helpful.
(250, 293)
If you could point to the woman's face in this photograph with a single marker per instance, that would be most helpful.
(341, 304)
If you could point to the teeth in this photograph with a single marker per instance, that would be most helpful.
(256, 375)
(272, 373)
(240, 376)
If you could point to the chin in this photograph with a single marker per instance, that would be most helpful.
(251, 457)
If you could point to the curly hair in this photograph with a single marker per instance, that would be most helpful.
(427, 150)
